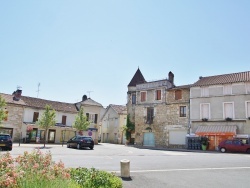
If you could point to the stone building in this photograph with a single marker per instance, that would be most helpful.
(160, 111)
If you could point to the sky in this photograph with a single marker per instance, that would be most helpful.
(94, 47)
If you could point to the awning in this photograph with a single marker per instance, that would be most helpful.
(216, 130)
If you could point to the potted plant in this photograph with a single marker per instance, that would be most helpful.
(204, 142)
(204, 119)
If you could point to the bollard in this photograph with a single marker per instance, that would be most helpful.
(125, 168)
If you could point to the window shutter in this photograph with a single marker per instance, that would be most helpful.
(35, 116)
(96, 117)
(64, 120)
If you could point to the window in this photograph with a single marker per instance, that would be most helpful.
(133, 98)
(35, 116)
(96, 118)
(248, 109)
(227, 89)
(150, 115)
(183, 112)
(143, 96)
(204, 109)
(6, 116)
(204, 91)
(64, 120)
(158, 95)
(248, 88)
(178, 94)
(228, 110)
(92, 118)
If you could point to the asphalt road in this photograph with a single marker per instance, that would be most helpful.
(156, 168)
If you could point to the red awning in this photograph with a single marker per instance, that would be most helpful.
(216, 130)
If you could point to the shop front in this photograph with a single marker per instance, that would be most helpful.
(216, 134)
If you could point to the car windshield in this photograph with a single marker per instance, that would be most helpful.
(4, 137)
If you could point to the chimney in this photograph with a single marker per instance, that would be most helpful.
(171, 77)
(17, 95)
(84, 98)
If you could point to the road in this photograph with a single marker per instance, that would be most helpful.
(157, 168)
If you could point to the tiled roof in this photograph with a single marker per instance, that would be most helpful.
(180, 87)
(223, 79)
(137, 79)
(9, 99)
(41, 103)
(120, 109)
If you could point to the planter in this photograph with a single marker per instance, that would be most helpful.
(204, 147)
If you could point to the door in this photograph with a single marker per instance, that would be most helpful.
(33, 135)
(52, 135)
(149, 139)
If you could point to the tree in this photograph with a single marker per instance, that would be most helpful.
(2, 112)
(130, 128)
(81, 123)
(47, 120)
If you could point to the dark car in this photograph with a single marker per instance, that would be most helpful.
(234, 146)
(5, 142)
(80, 142)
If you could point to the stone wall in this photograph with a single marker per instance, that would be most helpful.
(14, 120)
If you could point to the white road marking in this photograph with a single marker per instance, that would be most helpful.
(187, 169)
(173, 153)
(130, 151)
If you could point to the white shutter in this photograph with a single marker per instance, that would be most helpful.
(248, 109)
(227, 89)
(204, 111)
(228, 110)
(248, 88)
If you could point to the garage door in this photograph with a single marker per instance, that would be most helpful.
(149, 139)
(177, 137)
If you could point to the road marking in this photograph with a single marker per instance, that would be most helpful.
(130, 151)
(187, 169)
(173, 153)
(108, 157)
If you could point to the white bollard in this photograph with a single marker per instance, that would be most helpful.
(125, 168)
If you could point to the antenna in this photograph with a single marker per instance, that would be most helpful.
(89, 93)
(38, 85)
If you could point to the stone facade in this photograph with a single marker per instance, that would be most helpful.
(159, 98)
(13, 124)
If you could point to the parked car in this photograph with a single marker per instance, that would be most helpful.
(80, 142)
(5, 142)
(233, 146)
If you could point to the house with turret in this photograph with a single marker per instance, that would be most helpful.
(160, 111)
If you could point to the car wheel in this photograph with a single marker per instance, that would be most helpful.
(68, 145)
(78, 146)
(223, 150)
(248, 151)
(91, 147)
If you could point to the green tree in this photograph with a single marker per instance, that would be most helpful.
(130, 128)
(2, 112)
(47, 120)
(81, 122)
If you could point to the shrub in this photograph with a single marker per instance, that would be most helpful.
(33, 169)
(89, 178)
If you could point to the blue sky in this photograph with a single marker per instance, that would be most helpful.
(72, 47)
